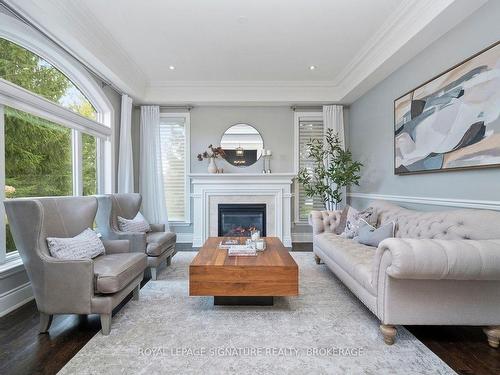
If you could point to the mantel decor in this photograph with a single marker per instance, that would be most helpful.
(211, 154)
(451, 122)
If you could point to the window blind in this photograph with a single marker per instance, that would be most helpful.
(308, 130)
(173, 163)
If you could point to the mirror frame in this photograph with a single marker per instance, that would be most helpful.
(257, 130)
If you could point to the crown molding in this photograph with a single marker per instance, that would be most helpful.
(413, 26)
(86, 38)
(410, 28)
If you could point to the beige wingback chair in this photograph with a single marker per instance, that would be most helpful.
(85, 286)
(158, 245)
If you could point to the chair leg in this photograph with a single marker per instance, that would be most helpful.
(105, 324)
(317, 259)
(493, 335)
(153, 273)
(45, 322)
(135, 292)
(389, 332)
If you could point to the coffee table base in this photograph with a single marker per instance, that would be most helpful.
(243, 301)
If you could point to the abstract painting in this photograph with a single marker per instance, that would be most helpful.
(452, 121)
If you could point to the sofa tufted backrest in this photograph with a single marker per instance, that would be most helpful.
(324, 221)
(445, 225)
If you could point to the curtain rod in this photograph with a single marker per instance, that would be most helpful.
(186, 107)
(22, 18)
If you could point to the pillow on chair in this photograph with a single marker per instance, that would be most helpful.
(86, 245)
(137, 224)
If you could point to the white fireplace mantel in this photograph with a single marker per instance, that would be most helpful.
(273, 189)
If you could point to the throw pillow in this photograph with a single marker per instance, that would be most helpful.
(371, 236)
(354, 220)
(86, 245)
(343, 219)
(137, 224)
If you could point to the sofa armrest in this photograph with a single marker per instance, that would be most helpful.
(324, 221)
(439, 259)
(116, 246)
(137, 240)
(68, 286)
(157, 227)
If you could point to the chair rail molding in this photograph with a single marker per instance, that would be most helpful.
(432, 201)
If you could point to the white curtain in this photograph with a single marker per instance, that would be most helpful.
(151, 186)
(125, 157)
(333, 118)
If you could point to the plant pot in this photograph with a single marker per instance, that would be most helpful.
(212, 168)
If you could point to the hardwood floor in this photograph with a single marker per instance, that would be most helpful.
(24, 351)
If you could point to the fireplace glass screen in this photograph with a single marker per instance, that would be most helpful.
(239, 220)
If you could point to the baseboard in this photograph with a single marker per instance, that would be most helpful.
(184, 237)
(15, 298)
(302, 237)
(444, 202)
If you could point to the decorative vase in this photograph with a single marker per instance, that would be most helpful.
(212, 168)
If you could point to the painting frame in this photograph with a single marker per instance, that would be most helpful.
(437, 76)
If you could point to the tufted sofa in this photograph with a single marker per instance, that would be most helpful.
(442, 268)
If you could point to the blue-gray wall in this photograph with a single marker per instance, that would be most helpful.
(371, 120)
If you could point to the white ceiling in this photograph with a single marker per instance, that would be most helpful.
(245, 51)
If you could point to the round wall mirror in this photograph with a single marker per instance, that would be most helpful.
(242, 144)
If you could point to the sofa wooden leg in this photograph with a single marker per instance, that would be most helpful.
(153, 273)
(105, 324)
(45, 322)
(135, 292)
(317, 259)
(389, 333)
(493, 334)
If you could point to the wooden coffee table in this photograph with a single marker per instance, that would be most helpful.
(239, 280)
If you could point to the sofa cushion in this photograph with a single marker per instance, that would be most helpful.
(158, 242)
(354, 258)
(115, 271)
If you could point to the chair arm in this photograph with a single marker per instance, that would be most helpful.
(440, 259)
(137, 240)
(116, 246)
(324, 221)
(157, 227)
(68, 286)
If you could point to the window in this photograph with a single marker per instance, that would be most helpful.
(174, 144)
(53, 140)
(308, 125)
(24, 68)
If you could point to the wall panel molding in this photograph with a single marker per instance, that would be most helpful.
(443, 202)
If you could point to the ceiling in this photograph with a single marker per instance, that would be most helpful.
(245, 51)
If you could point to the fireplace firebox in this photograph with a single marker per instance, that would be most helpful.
(239, 220)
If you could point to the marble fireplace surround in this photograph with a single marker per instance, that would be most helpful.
(210, 190)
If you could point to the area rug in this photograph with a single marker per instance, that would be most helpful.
(325, 330)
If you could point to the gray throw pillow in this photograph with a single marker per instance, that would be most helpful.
(371, 236)
(86, 245)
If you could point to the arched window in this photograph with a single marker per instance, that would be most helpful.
(28, 70)
(55, 124)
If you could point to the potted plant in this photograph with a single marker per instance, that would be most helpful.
(333, 170)
(212, 153)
